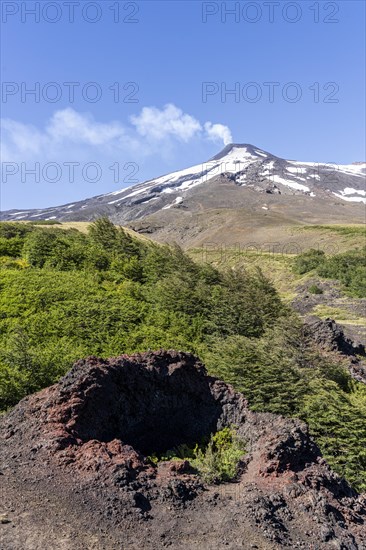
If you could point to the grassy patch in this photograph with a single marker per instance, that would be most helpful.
(277, 267)
(45, 222)
(347, 230)
(342, 316)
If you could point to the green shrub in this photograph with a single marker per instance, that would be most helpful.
(349, 268)
(220, 459)
(13, 263)
(11, 247)
(215, 461)
(39, 246)
(277, 373)
(103, 233)
(314, 289)
(109, 294)
(9, 230)
(26, 368)
(338, 423)
(308, 261)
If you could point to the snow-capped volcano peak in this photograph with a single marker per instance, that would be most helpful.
(242, 165)
(232, 159)
(241, 150)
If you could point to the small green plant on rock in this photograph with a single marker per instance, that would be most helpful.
(220, 459)
(215, 461)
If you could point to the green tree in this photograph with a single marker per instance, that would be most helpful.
(39, 247)
(103, 233)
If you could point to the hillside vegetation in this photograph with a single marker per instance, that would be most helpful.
(65, 295)
(349, 268)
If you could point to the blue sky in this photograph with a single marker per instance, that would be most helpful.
(175, 60)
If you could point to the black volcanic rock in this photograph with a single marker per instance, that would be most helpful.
(330, 336)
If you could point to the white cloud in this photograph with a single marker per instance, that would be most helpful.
(70, 125)
(156, 124)
(18, 137)
(218, 132)
(69, 133)
(170, 121)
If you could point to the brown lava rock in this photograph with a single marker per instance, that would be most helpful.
(75, 473)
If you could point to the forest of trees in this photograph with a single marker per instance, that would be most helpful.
(66, 295)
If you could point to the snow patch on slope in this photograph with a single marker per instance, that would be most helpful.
(351, 191)
(178, 200)
(350, 199)
(298, 170)
(115, 201)
(289, 183)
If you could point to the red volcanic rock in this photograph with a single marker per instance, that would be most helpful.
(76, 473)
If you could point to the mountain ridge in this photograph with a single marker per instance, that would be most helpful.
(242, 181)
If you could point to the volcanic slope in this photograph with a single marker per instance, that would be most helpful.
(239, 190)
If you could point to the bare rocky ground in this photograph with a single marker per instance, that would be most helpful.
(75, 474)
(219, 213)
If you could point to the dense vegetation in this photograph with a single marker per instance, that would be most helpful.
(349, 268)
(279, 374)
(65, 295)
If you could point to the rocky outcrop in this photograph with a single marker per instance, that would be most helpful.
(329, 336)
(126, 408)
(79, 451)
